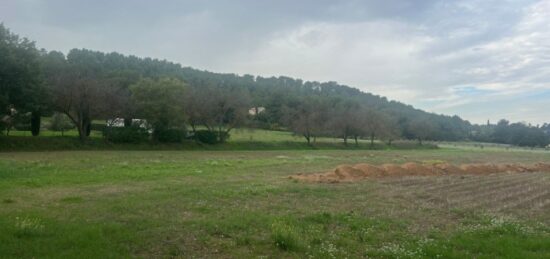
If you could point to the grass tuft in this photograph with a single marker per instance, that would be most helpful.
(27, 227)
(285, 236)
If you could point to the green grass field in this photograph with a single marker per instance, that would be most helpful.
(241, 139)
(240, 204)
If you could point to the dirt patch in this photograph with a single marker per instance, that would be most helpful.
(351, 173)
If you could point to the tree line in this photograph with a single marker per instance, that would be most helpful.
(519, 134)
(169, 100)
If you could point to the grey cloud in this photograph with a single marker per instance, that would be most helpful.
(419, 52)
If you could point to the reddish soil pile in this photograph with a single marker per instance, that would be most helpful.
(351, 173)
(417, 169)
(370, 170)
(393, 170)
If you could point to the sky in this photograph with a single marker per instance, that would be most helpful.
(481, 60)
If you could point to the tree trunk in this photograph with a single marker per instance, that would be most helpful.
(127, 122)
(80, 122)
(372, 139)
(81, 131)
(84, 128)
(220, 137)
(226, 133)
(88, 129)
(35, 123)
(307, 138)
(389, 142)
(356, 142)
(87, 124)
(194, 130)
(420, 141)
(345, 140)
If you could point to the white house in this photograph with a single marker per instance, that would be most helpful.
(256, 110)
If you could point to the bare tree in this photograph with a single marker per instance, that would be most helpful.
(77, 91)
(221, 111)
(391, 130)
(373, 123)
(346, 122)
(196, 105)
(422, 129)
(308, 118)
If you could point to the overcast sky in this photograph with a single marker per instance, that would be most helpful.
(476, 59)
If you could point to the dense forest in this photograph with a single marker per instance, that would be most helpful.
(171, 102)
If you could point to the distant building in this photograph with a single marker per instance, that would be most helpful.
(119, 123)
(256, 110)
(116, 123)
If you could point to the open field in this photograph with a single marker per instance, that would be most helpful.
(240, 204)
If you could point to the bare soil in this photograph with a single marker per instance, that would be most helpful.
(351, 173)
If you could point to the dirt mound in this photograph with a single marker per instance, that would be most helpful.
(542, 167)
(446, 168)
(393, 170)
(350, 173)
(480, 168)
(417, 169)
(504, 168)
(370, 170)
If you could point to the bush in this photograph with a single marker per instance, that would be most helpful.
(97, 127)
(22, 127)
(206, 137)
(126, 134)
(169, 135)
(60, 122)
(223, 137)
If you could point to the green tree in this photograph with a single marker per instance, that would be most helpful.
(20, 85)
(160, 102)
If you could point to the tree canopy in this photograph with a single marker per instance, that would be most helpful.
(88, 85)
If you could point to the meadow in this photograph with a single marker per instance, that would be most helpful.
(241, 204)
(241, 139)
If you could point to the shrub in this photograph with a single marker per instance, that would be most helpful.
(97, 127)
(22, 126)
(126, 134)
(60, 122)
(224, 136)
(206, 137)
(169, 135)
